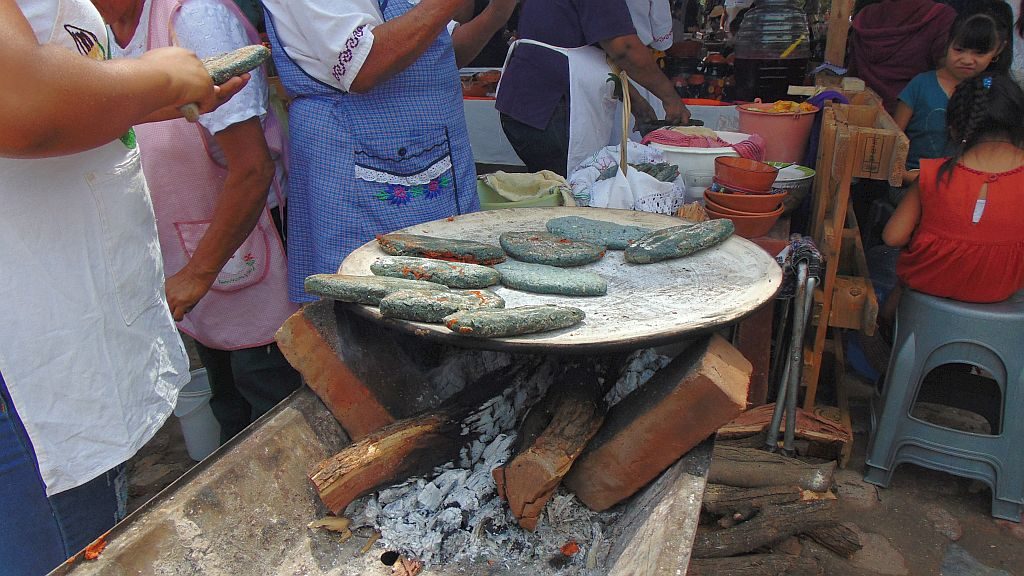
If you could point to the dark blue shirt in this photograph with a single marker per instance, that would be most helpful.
(538, 78)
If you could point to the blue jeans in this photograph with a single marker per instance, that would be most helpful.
(37, 532)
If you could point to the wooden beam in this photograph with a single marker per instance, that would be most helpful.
(838, 32)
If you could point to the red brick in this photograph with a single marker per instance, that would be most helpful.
(307, 344)
(703, 388)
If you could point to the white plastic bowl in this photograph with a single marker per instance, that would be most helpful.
(700, 159)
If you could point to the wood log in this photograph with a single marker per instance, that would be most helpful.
(753, 468)
(721, 499)
(754, 565)
(552, 437)
(771, 524)
(404, 449)
(839, 538)
(409, 447)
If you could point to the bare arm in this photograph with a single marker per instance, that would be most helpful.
(641, 108)
(67, 103)
(903, 221)
(399, 42)
(902, 118)
(903, 114)
(250, 171)
(471, 37)
(630, 54)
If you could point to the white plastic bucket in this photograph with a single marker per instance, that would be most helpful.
(198, 424)
(700, 160)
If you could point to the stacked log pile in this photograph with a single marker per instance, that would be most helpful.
(755, 504)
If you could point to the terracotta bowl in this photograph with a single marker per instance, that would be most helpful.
(750, 226)
(712, 205)
(745, 174)
(733, 189)
(755, 203)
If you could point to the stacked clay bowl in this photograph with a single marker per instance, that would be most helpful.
(745, 174)
(743, 193)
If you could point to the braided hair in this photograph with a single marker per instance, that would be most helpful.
(982, 108)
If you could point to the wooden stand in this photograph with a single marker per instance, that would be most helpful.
(856, 141)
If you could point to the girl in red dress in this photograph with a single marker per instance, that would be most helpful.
(964, 217)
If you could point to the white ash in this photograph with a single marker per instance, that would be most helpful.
(462, 367)
(457, 515)
(640, 367)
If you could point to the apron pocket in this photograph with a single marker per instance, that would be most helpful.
(130, 242)
(247, 266)
(406, 168)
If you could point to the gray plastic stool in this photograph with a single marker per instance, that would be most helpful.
(931, 332)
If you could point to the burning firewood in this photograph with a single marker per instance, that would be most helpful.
(552, 437)
(413, 446)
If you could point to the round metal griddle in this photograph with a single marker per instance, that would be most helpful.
(646, 304)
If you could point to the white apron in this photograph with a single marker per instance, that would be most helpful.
(88, 348)
(591, 101)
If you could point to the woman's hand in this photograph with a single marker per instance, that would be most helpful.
(642, 109)
(676, 112)
(184, 290)
(187, 79)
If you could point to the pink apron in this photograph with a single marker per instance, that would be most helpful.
(248, 301)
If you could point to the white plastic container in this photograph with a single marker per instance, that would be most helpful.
(696, 183)
(700, 159)
(198, 425)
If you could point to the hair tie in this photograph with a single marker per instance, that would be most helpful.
(986, 82)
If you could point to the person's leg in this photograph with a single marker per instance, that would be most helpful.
(29, 523)
(229, 406)
(86, 512)
(546, 149)
(264, 377)
(39, 533)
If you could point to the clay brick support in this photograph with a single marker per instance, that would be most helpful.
(307, 344)
(753, 338)
(703, 388)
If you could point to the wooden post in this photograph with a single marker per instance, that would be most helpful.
(838, 32)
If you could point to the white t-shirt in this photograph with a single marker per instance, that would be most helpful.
(207, 28)
(328, 39)
(39, 14)
(653, 22)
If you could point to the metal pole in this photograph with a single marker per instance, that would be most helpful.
(795, 355)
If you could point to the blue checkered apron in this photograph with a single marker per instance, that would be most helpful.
(368, 164)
